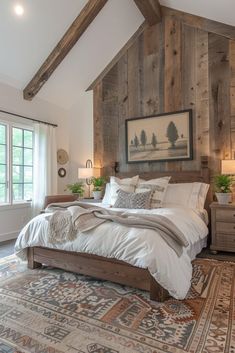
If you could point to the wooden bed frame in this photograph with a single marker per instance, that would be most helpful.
(112, 269)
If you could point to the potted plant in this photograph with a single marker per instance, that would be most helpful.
(76, 188)
(223, 184)
(98, 184)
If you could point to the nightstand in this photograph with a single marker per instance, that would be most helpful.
(222, 227)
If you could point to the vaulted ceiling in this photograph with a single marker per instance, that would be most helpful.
(217, 10)
(27, 41)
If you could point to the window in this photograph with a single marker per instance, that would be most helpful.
(3, 164)
(16, 163)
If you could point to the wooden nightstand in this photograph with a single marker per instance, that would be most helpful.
(222, 227)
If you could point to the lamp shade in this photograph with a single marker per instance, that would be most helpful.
(228, 166)
(85, 173)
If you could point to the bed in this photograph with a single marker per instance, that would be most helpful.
(129, 273)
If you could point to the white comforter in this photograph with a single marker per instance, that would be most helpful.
(138, 247)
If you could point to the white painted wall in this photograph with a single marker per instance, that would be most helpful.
(80, 118)
(13, 218)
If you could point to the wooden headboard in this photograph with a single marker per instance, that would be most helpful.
(202, 175)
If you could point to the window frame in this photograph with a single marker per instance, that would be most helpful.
(6, 164)
(9, 161)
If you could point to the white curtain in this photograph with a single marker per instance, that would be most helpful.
(45, 165)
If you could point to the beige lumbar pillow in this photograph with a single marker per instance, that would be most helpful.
(127, 184)
(158, 187)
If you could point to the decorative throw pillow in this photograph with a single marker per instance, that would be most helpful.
(158, 188)
(133, 200)
(127, 184)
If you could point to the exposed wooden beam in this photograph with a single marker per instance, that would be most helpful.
(75, 31)
(118, 56)
(205, 24)
(151, 10)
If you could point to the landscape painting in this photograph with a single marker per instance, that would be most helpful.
(162, 137)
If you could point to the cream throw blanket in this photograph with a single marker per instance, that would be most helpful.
(67, 221)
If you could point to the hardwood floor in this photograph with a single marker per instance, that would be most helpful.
(222, 255)
(7, 248)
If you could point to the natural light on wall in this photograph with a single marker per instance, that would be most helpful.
(19, 10)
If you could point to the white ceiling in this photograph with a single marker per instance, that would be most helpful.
(26, 41)
(105, 36)
(217, 10)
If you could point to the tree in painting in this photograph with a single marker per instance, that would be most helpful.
(172, 134)
(154, 140)
(143, 138)
(136, 141)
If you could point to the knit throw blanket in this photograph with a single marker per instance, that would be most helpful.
(66, 222)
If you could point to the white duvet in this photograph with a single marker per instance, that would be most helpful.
(138, 247)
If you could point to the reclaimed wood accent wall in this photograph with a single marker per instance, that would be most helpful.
(170, 66)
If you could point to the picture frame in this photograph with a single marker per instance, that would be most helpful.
(62, 172)
(160, 137)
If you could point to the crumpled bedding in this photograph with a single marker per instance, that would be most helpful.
(65, 225)
(143, 248)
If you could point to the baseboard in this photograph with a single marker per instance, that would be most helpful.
(9, 236)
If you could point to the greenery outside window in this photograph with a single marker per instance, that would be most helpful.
(16, 163)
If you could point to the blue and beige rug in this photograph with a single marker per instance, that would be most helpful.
(51, 311)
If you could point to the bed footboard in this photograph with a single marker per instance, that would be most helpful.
(98, 267)
(157, 292)
(32, 264)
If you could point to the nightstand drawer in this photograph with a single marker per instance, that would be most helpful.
(225, 215)
(223, 227)
(226, 241)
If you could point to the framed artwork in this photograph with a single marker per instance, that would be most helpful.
(62, 172)
(163, 137)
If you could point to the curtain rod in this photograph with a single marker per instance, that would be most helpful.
(25, 117)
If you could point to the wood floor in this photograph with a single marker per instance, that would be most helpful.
(222, 255)
(7, 248)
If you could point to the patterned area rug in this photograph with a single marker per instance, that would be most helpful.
(51, 311)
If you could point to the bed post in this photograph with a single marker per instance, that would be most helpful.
(205, 171)
(31, 263)
(157, 292)
(206, 178)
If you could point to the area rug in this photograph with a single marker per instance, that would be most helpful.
(52, 311)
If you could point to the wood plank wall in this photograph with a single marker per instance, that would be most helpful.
(171, 66)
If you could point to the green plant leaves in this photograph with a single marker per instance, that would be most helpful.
(223, 183)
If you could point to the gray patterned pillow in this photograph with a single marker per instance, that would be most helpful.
(158, 187)
(132, 200)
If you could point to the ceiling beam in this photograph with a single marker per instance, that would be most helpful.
(151, 10)
(75, 31)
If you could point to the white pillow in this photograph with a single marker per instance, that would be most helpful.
(107, 195)
(127, 184)
(158, 186)
(192, 195)
(202, 195)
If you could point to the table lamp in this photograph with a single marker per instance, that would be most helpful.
(86, 173)
(228, 166)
